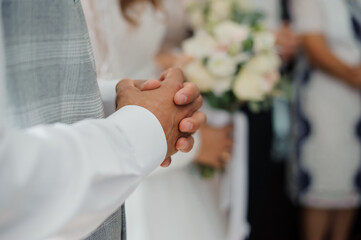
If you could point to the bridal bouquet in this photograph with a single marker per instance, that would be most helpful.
(235, 61)
(234, 55)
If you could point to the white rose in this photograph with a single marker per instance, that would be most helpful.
(249, 87)
(220, 10)
(222, 65)
(222, 85)
(270, 80)
(264, 41)
(229, 32)
(263, 63)
(195, 72)
(242, 57)
(200, 46)
(258, 77)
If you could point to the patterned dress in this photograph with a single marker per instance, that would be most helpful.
(327, 171)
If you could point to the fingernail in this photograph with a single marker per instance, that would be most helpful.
(188, 126)
(144, 84)
(183, 98)
(183, 147)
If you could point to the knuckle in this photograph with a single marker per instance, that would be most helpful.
(123, 83)
(195, 87)
(178, 85)
(177, 71)
(123, 90)
(174, 85)
(198, 103)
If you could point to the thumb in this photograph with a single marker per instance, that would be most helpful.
(150, 85)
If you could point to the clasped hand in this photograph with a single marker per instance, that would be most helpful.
(174, 103)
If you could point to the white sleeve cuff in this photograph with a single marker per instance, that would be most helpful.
(108, 94)
(145, 134)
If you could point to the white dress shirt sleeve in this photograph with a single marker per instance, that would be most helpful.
(51, 176)
(108, 94)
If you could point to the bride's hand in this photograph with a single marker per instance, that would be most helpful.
(216, 146)
(287, 42)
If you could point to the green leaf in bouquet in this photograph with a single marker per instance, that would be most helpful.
(240, 66)
(207, 8)
(259, 27)
(260, 106)
(228, 101)
(254, 107)
(205, 61)
(239, 16)
(255, 18)
(248, 17)
(206, 172)
(248, 44)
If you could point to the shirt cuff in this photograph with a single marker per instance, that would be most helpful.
(108, 94)
(145, 135)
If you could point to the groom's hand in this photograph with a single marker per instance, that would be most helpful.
(186, 95)
(174, 103)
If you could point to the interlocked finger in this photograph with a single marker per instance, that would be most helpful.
(193, 123)
(185, 144)
(188, 94)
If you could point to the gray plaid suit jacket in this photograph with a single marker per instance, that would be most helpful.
(51, 72)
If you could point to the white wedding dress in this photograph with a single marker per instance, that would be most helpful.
(173, 203)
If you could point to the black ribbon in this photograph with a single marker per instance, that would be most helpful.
(355, 12)
(285, 10)
(356, 26)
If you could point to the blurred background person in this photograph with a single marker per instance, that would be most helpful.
(270, 212)
(175, 203)
(278, 18)
(327, 176)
